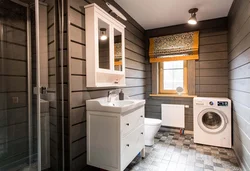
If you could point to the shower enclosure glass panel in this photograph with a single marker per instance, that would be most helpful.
(31, 85)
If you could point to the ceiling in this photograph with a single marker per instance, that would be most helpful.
(161, 13)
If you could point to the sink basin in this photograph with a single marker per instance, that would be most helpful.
(116, 106)
(118, 103)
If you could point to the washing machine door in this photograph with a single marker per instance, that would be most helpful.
(212, 121)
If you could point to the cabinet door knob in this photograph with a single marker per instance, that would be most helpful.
(127, 124)
(141, 116)
(127, 145)
(141, 132)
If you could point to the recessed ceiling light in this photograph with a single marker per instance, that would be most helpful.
(193, 19)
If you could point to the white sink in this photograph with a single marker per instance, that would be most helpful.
(115, 106)
(118, 103)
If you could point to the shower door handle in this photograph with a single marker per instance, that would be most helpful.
(43, 90)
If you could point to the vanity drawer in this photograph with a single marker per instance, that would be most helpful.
(131, 145)
(132, 121)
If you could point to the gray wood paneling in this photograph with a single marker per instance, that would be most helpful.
(78, 131)
(134, 73)
(13, 68)
(13, 116)
(134, 64)
(9, 84)
(213, 64)
(212, 72)
(212, 80)
(77, 34)
(213, 39)
(238, 18)
(213, 56)
(243, 60)
(241, 47)
(212, 67)
(134, 47)
(77, 50)
(239, 73)
(78, 67)
(220, 47)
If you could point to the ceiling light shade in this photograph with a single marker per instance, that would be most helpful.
(103, 34)
(193, 19)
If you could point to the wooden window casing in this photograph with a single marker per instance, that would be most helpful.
(161, 81)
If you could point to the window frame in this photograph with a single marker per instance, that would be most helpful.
(185, 82)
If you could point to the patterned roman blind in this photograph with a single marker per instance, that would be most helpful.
(184, 46)
(118, 54)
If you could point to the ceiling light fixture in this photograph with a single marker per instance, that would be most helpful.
(103, 34)
(193, 19)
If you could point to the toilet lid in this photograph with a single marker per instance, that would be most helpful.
(149, 121)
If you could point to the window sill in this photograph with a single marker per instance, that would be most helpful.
(173, 95)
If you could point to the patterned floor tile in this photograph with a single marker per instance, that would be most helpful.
(175, 152)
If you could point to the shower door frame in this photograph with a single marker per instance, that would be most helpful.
(29, 77)
(29, 81)
(36, 90)
(38, 85)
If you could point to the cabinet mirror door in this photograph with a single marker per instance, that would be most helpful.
(118, 50)
(104, 49)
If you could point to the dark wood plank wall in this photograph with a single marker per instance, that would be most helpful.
(13, 83)
(212, 66)
(78, 92)
(54, 90)
(211, 69)
(52, 73)
(239, 77)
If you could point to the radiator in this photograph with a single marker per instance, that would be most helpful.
(173, 115)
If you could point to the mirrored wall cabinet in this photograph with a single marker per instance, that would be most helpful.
(105, 48)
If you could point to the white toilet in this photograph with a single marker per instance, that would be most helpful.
(151, 127)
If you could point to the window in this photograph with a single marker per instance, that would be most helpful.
(172, 75)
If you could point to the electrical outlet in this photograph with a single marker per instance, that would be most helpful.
(15, 100)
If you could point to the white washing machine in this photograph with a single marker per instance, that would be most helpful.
(212, 121)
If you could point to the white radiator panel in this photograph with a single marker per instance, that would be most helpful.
(173, 115)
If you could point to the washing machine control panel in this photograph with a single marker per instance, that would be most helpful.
(222, 103)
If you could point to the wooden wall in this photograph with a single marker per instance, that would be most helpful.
(53, 79)
(211, 70)
(239, 77)
(13, 84)
(78, 92)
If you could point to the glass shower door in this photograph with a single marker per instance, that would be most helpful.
(31, 93)
(18, 109)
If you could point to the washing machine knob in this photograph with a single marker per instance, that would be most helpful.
(211, 103)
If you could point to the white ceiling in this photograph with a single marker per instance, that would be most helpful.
(161, 13)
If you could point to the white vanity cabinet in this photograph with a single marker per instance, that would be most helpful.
(105, 48)
(115, 139)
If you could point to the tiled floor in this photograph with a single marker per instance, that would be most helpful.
(174, 152)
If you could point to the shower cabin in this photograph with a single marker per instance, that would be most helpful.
(32, 85)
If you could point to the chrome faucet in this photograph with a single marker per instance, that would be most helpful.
(111, 92)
